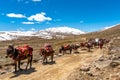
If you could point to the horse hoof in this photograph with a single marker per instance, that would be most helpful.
(20, 69)
(14, 71)
(52, 61)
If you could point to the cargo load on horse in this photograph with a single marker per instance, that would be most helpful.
(25, 50)
(48, 47)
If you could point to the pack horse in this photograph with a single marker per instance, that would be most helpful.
(20, 53)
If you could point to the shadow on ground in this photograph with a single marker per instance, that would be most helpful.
(18, 73)
(50, 63)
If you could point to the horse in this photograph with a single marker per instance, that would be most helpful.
(75, 47)
(20, 53)
(83, 44)
(88, 45)
(63, 49)
(45, 52)
(106, 41)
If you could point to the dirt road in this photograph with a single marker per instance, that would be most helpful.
(59, 70)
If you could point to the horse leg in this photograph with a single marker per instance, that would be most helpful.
(28, 62)
(89, 49)
(70, 51)
(44, 58)
(15, 63)
(52, 58)
(64, 52)
(100, 46)
(19, 65)
(31, 60)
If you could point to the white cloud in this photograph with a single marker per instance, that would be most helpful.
(27, 22)
(15, 15)
(36, 0)
(39, 17)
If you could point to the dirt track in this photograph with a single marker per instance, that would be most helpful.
(59, 70)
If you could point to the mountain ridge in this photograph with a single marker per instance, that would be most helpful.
(59, 32)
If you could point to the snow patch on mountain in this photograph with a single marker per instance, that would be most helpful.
(10, 35)
(58, 32)
(108, 27)
(65, 30)
(49, 33)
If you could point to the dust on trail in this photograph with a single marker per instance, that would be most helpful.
(63, 66)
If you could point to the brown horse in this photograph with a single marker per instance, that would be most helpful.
(20, 53)
(101, 43)
(45, 53)
(83, 44)
(63, 49)
(75, 47)
(87, 45)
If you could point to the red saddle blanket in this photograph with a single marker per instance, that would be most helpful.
(25, 50)
(66, 46)
(48, 49)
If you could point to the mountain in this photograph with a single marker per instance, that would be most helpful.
(10, 35)
(49, 33)
(59, 32)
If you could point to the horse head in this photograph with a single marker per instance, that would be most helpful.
(61, 48)
(42, 50)
(10, 51)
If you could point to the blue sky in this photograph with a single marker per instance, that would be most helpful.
(86, 15)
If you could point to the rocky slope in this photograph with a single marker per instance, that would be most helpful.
(106, 67)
